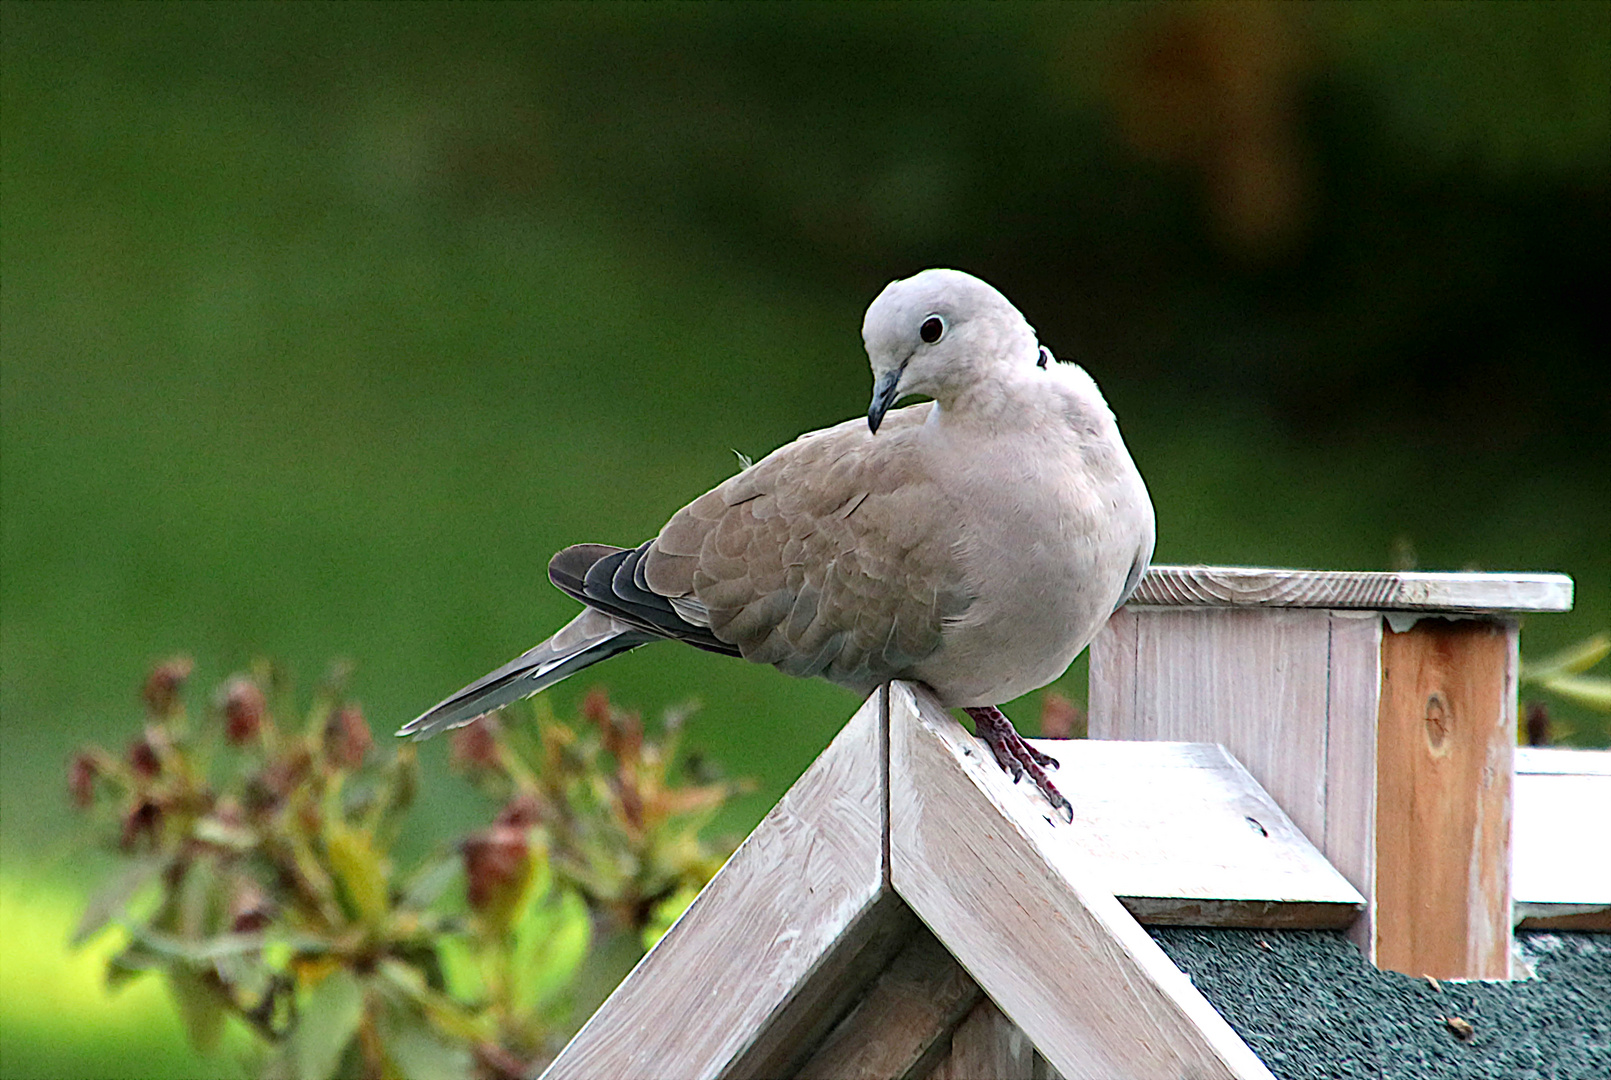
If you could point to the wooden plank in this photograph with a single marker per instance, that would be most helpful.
(1447, 727)
(987, 1046)
(801, 894)
(1111, 690)
(1559, 795)
(904, 1022)
(1184, 836)
(829, 991)
(1254, 681)
(1249, 586)
(1021, 909)
(1353, 686)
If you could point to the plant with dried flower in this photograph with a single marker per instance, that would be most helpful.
(1564, 674)
(261, 883)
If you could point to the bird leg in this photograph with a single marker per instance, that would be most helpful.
(1017, 757)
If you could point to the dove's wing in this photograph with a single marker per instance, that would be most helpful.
(828, 557)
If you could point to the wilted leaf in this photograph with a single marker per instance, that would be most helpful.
(224, 834)
(108, 901)
(326, 1023)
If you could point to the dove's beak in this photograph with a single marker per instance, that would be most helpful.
(884, 394)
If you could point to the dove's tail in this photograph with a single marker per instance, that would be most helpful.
(585, 640)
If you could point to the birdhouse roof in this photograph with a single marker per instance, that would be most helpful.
(906, 910)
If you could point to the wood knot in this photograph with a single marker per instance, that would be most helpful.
(1438, 720)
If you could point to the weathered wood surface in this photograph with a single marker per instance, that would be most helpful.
(1190, 677)
(1020, 908)
(1562, 800)
(1302, 698)
(1453, 593)
(905, 1021)
(1184, 836)
(987, 1046)
(1354, 686)
(1446, 732)
(800, 895)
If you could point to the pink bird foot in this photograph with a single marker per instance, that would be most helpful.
(1017, 757)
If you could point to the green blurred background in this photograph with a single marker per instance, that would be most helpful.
(322, 327)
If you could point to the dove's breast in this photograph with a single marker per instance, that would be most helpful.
(1053, 523)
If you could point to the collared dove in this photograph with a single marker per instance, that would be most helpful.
(974, 543)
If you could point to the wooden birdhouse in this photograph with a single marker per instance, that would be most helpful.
(1285, 752)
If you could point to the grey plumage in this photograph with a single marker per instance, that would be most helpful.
(975, 543)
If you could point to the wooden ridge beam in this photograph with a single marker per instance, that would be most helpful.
(774, 947)
(1021, 910)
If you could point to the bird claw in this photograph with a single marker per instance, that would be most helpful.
(1016, 757)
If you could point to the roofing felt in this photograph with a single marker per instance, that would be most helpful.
(1311, 1007)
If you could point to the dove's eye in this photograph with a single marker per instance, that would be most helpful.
(932, 330)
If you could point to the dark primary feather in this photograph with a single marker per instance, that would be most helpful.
(586, 640)
(607, 578)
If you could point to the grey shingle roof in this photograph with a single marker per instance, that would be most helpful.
(1310, 1006)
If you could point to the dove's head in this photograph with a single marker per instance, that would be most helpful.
(938, 333)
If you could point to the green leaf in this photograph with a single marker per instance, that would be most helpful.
(666, 912)
(1593, 691)
(129, 964)
(430, 881)
(461, 968)
(1572, 660)
(360, 870)
(551, 941)
(419, 1054)
(199, 1008)
(109, 900)
(195, 952)
(326, 1022)
(445, 1014)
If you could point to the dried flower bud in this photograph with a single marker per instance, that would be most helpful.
(1538, 726)
(474, 749)
(1060, 718)
(250, 909)
(626, 737)
(245, 709)
(145, 754)
(497, 862)
(270, 787)
(521, 812)
(596, 707)
(140, 823)
(228, 812)
(347, 738)
(165, 684)
(496, 1062)
(631, 802)
(81, 774)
